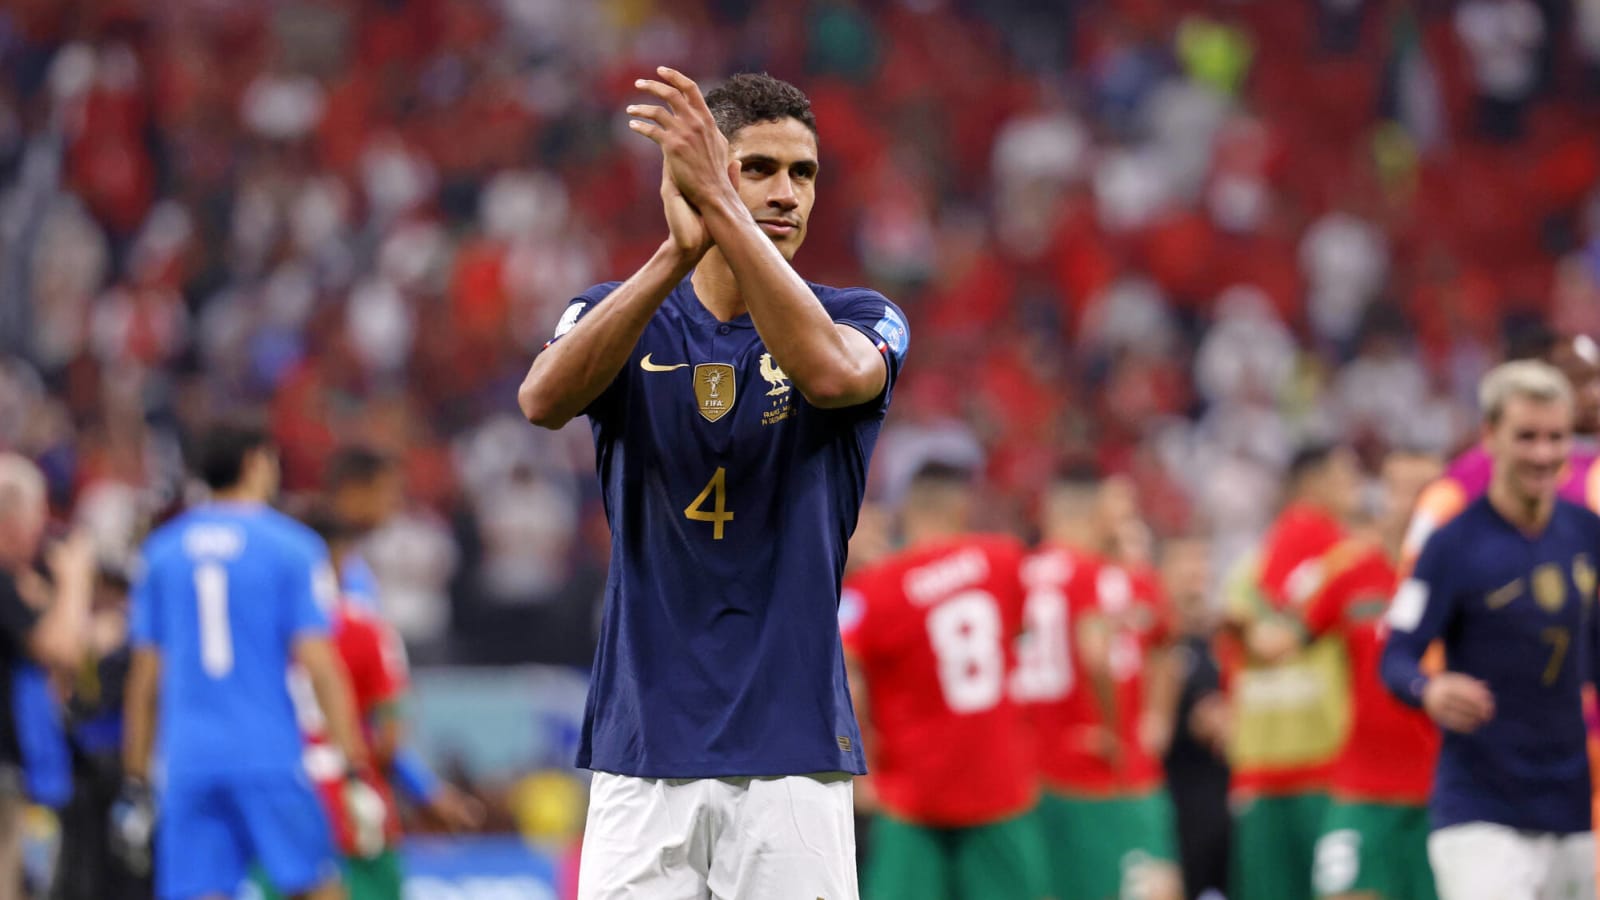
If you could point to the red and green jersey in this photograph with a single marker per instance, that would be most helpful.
(1066, 591)
(932, 631)
(1390, 753)
(375, 663)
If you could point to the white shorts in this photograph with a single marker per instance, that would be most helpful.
(1482, 861)
(723, 838)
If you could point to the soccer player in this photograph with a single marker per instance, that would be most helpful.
(1509, 587)
(734, 408)
(1289, 704)
(1092, 626)
(363, 489)
(231, 592)
(929, 635)
(1374, 836)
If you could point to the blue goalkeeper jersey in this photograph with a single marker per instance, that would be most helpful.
(223, 593)
(1516, 611)
(730, 500)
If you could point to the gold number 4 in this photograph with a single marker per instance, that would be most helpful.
(716, 490)
(1558, 638)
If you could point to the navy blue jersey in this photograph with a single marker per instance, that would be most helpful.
(224, 592)
(1517, 612)
(731, 500)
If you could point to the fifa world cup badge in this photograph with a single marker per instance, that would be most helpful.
(714, 389)
(1550, 587)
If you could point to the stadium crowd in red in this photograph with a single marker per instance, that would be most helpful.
(1162, 237)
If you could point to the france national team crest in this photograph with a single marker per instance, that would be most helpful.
(893, 330)
(1583, 576)
(714, 389)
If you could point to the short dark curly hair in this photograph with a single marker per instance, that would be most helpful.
(750, 97)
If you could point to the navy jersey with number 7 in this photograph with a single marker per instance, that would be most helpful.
(730, 500)
(224, 592)
(1516, 611)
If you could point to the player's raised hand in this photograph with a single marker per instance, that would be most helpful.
(72, 559)
(696, 152)
(1458, 702)
(690, 235)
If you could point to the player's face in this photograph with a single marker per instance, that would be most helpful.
(777, 178)
(1530, 445)
(1404, 477)
(1186, 572)
(1579, 360)
(23, 531)
(367, 506)
(1340, 486)
(1117, 517)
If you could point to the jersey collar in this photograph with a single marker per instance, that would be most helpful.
(689, 302)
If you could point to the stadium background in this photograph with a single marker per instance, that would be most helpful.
(1171, 238)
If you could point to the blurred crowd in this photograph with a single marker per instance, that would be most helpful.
(1171, 239)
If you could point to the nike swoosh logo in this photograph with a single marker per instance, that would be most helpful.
(1503, 596)
(649, 366)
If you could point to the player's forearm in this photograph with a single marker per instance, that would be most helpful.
(334, 699)
(1163, 683)
(332, 692)
(59, 639)
(1401, 670)
(139, 714)
(570, 373)
(796, 330)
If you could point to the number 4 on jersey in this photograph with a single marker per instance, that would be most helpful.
(716, 490)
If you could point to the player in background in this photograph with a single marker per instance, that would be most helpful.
(1374, 836)
(928, 635)
(1578, 358)
(734, 408)
(1509, 587)
(1092, 628)
(1197, 776)
(228, 595)
(363, 489)
(43, 623)
(1290, 704)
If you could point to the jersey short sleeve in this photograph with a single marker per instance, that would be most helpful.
(875, 316)
(312, 591)
(577, 308)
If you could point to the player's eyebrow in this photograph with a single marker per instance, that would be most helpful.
(809, 166)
